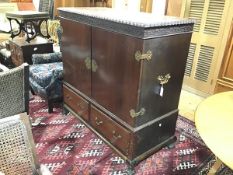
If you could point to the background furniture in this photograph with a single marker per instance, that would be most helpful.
(225, 78)
(47, 6)
(214, 121)
(17, 150)
(14, 96)
(22, 51)
(29, 22)
(123, 75)
(45, 77)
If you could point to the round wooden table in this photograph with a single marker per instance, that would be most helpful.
(214, 122)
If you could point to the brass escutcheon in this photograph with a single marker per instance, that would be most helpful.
(91, 64)
(146, 56)
(163, 79)
(88, 63)
(134, 114)
(94, 66)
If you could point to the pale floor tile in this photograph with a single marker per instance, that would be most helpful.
(188, 104)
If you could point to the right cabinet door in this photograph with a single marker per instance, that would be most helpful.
(162, 76)
(116, 73)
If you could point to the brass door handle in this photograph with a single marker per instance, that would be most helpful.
(115, 136)
(68, 97)
(134, 114)
(91, 64)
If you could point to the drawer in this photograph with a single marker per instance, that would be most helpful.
(29, 50)
(76, 103)
(113, 132)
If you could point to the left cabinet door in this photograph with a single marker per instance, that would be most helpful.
(76, 51)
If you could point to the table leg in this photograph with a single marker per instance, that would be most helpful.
(215, 167)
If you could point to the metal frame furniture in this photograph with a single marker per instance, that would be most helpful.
(29, 22)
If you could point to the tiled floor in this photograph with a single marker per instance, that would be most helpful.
(188, 104)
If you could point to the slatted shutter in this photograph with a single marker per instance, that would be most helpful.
(210, 16)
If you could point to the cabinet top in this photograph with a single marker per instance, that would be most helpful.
(142, 25)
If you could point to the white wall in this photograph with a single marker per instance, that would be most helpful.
(36, 4)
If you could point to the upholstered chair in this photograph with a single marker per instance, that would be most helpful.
(17, 148)
(45, 77)
(14, 91)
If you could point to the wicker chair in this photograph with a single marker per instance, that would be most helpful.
(14, 91)
(17, 148)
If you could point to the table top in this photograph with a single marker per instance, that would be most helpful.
(21, 41)
(214, 122)
(27, 15)
(140, 25)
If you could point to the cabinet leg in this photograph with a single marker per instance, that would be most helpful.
(172, 143)
(65, 111)
(130, 170)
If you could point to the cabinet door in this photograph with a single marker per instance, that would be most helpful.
(76, 55)
(225, 80)
(162, 76)
(116, 78)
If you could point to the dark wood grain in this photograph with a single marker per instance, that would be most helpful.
(116, 134)
(76, 102)
(76, 47)
(115, 83)
(168, 57)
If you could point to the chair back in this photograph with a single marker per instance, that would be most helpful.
(14, 91)
(17, 148)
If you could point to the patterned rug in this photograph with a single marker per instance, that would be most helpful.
(67, 147)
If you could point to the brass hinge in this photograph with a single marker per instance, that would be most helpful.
(134, 114)
(146, 56)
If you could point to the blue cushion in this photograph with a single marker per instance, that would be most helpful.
(46, 58)
(43, 74)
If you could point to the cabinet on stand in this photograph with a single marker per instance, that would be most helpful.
(123, 75)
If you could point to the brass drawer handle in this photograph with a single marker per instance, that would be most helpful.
(115, 136)
(68, 97)
(81, 105)
(98, 123)
(134, 114)
(163, 79)
(146, 56)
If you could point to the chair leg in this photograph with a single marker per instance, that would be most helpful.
(32, 91)
(50, 106)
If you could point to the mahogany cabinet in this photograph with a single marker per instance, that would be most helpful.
(123, 76)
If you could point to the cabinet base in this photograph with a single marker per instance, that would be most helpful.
(135, 161)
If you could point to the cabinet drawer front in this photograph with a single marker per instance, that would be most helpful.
(77, 103)
(113, 132)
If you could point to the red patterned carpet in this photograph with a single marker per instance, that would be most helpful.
(67, 147)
